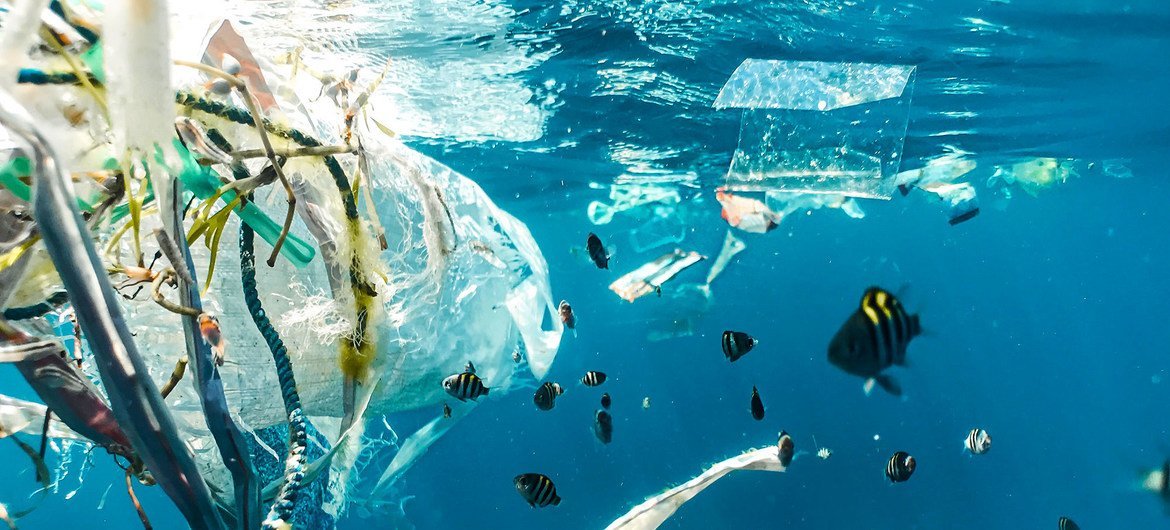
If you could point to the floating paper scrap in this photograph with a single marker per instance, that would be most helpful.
(656, 510)
(647, 278)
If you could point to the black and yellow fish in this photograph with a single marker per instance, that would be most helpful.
(593, 378)
(546, 395)
(874, 338)
(537, 490)
(465, 386)
(900, 467)
(603, 426)
(597, 251)
(757, 405)
(1066, 524)
(736, 344)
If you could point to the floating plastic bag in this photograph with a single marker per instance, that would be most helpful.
(818, 127)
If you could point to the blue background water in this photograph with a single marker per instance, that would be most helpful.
(1045, 315)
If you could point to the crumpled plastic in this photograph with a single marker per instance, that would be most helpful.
(749, 215)
(657, 509)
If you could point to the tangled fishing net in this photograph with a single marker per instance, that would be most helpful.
(395, 270)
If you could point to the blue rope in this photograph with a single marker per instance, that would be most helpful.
(281, 511)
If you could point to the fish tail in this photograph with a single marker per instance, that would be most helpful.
(915, 326)
(485, 391)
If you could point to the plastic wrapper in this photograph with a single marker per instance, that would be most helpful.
(657, 509)
(818, 127)
(749, 215)
(1035, 175)
(650, 276)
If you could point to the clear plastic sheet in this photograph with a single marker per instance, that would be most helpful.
(815, 127)
(811, 85)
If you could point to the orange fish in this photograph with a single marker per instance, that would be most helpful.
(209, 327)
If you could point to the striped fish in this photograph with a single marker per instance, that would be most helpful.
(874, 338)
(593, 378)
(1066, 524)
(537, 490)
(978, 441)
(736, 344)
(546, 395)
(465, 386)
(900, 467)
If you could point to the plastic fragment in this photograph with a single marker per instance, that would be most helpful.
(645, 279)
(656, 510)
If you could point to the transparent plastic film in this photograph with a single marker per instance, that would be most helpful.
(818, 127)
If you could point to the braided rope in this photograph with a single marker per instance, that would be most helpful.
(281, 511)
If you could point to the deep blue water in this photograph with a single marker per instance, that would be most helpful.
(1045, 316)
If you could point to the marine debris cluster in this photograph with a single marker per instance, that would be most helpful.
(143, 175)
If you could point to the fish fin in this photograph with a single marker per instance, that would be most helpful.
(868, 386)
(574, 332)
(915, 326)
(904, 189)
(556, 500)
(889, 384)
(485, 391)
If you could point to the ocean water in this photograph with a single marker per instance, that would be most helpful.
(1044, 315)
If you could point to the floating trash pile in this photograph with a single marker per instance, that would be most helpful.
(250, 237)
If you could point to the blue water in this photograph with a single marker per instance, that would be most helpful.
(1045, 316)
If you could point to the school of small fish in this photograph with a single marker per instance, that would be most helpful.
(873, 338)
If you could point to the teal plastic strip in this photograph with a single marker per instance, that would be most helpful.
(204, 183)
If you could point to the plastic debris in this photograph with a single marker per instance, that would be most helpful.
(645, 279)
(811, 85)
(731, 246)
(802, 129)
(656, 510)
(628, 196)
(1035, 175)
(749, 215)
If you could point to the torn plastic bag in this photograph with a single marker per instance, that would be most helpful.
(650, 276)
(657, 509)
